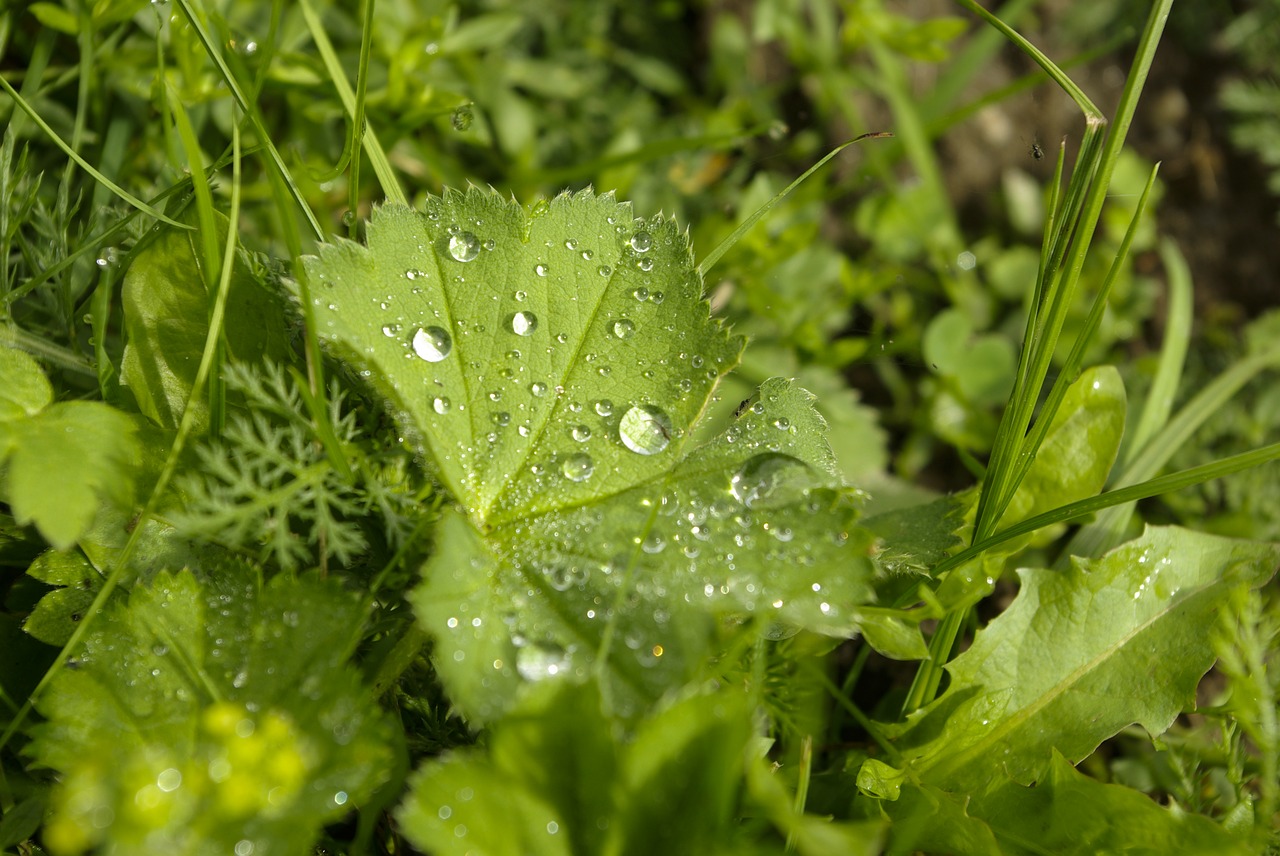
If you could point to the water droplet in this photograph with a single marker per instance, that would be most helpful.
(462, 117)
(623, 329)
(645, 265)
(604, 270)
(441, 405)
(641, 294)
(523, 323)
(541, 270)
(604, 407)
(782, 423)
(432, 344)
(641, 242)
(578, 467)
(502, 418)
(657, 297)
(538, 389)
(391, 330)
(464, 247)
(520, 296)
(645, 429)
(764, 479)
(654, 543)
(581, 433)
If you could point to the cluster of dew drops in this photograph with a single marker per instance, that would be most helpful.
(643, 428)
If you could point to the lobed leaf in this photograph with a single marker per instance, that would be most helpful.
(551, 366)
(60, 462)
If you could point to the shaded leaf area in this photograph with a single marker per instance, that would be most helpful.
(60, 463)
(166, 315)
(552, 365)
(1065, 813)
(199, 715)
(555, 779)
(1081, 654)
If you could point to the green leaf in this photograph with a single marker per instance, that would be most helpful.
(197, 716)
(1080, 448)
(54, 618)
(24, 390)
(1071, 813)
(551, 365)
(166, 317)
(554, 781)
(1081, 654)
(64, 463)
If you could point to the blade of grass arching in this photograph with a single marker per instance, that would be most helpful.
(1095, 200)
(1173, 350)
(1071, 368)
(251, 113)
(974, 57)
(185, 426)
(120, 192)
(723, 247)
(209, 253)
(372, 148)
(937, 126)
(1065, 83)
(1107, 529)
(1119, 496)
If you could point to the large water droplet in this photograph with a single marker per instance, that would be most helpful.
(464, 247)
(580, 433)
(432, 344)
(441, 405)
(623, 329)
(770, 479)
(523, 323)
(604, 407)
(641, 242)
(578, 467)
(645, 429)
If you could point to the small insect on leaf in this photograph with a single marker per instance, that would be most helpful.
(1036, 151)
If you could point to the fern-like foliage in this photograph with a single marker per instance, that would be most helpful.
(266, 486)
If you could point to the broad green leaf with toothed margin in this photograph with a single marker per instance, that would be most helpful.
(550, 365)
(1081, 654)
(198, 715)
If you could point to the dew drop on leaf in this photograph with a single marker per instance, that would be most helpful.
(761, 477)
(523, 323)
(645, 429)
(538, 389)
(541, 270)
(464, 247)
(441, 405)
(432, 344)
(578, 467)
(604, 407)
(581, 433)
(623, 329)
(641, 242)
